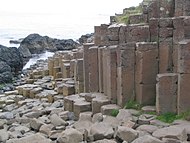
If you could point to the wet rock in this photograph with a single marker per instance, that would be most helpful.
(36, 44)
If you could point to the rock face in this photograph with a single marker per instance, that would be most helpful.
(88, 38)
(36, 44)
(10, 61)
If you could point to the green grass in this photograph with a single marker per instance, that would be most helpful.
(132, 105)
(114, 112)
(168, 117)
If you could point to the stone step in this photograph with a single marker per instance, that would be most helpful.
(98, 102)
(81, 106)
(70, 100)
(108, 109)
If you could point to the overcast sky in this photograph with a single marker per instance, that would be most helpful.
(72, 7)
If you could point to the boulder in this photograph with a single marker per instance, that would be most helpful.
(11, 56)
(5, 73)
(10, 62)
(126, 134)
(36, 138)
(36, 44)
(147, 139)
(4, 135)
(171, 132)
(57, 121)
(70, 136)
(101, 130)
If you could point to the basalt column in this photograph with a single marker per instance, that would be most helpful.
(146, 71)
(125, 73)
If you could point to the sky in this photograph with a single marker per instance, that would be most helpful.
(71, 7)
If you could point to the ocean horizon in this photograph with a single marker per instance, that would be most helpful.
(56, 19)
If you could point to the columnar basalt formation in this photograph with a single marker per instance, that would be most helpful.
(146, 60)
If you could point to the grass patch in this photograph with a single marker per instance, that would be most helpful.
(114, 112)
(132, 105)
(168, 117)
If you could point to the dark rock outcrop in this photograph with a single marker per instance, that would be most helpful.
(5, 72)
(10, 62)
(36, 44)
(16, 41)
(88, 38)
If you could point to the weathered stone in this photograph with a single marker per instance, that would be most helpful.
(45, 129)
(126, 134)
(183, 57)
(68, 89)
(97, 103)
(111, 73)
(166, 8)
(100, 68)
(124, 115)
(37, 138)
(154, 29)
(98, 117)
(125, 74)
(86, 66)
(100, 37)
(93, 69)
(69, 102)
(171, 132)
(147, 128)
(137, 33)
(108, 109)
(70, 136)
(35, 124)
(138, 18)
(165, 56)
(147, 139)
(178, 33)
(183, 93)
(57, 121)
(153, 10)
(101, 130)
(168, 140)
(146, 59)
(81, 106)
(35, 91)
(166, 93)
(148, 109)
(4, 136)
(179, 7)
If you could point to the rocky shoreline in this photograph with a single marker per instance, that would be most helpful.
(36, 111)
(110, 91)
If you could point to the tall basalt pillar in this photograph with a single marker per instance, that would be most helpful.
(111, 91)
(146, 71)
(86, 65)
(183, 69)
(125, 74)
(93, 69)
(166, 93)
